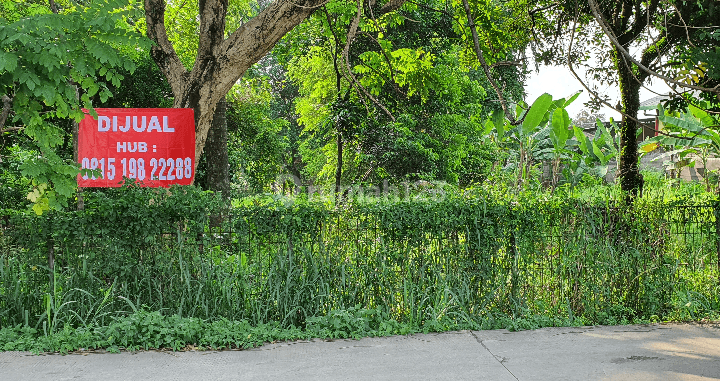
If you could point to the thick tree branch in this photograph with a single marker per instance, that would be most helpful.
(312, 7)
(162, 51)
(352, 31)
(249, 43)
(391, 5)
(508, 63)
(53, 7)
(650, 54)
(11, 129)
(486, 68)
(212, 28)
(637, 26)
(625, 12)
(601, 21)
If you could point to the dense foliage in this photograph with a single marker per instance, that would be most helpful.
(434, 260)
(52, 62)
(387, 177)
(402, 102)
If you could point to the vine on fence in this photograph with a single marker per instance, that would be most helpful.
(435, 263)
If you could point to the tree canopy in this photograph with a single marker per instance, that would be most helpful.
(628, 43)
(343, 92)
(53, 60)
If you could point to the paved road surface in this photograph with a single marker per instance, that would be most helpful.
(647, 352)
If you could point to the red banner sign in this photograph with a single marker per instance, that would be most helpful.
(154, 146)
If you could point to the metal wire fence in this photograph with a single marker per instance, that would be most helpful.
(582, 259)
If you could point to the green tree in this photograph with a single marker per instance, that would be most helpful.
(144, 87)
(222, 55)
(657, 31)
(257, 145)
(52, 62)
(411, 109)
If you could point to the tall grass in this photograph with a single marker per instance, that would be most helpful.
(463, 261)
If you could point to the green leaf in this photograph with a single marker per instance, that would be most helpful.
(8, 61)
(582, 139)
(536, 113)
(573, 98)
(498, 119)
(598, 153)
(689, 124)
(602, 170)
(488, 127)
(560, 128)
(65, 186)
(40, 206)
(703, 116)
(611, 142)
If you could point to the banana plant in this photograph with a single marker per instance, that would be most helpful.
(689, 135)
(545, 121)
(528, 133)
(605, 146)
(578, 163)
(595, 153)
(554, 140)
(560, 134)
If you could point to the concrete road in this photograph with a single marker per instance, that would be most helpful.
(648, 352)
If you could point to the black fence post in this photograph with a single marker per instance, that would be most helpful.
(716, 207)
(51, 256)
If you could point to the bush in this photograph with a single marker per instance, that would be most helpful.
(135, 257)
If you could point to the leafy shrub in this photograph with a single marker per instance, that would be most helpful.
(474, 259)
(355, 322)
(13, 186)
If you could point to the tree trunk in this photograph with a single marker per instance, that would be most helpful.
(216, 153)
(220, 61)
(631, 181)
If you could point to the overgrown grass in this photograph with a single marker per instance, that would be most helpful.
(146, 269)
(143, 330)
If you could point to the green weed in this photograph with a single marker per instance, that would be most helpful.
(145, 269)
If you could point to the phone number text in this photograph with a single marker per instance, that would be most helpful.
(160, 169)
